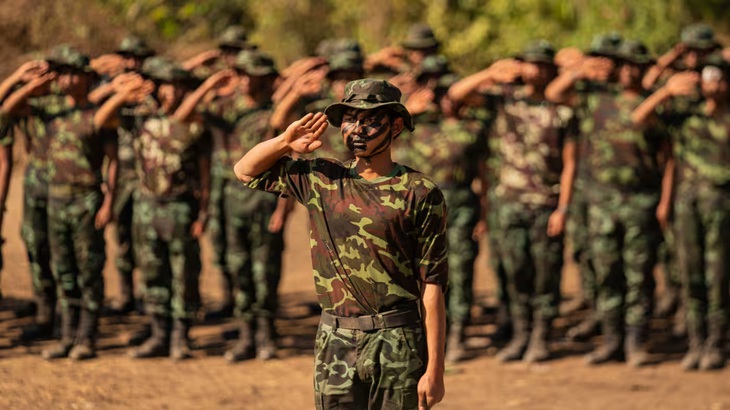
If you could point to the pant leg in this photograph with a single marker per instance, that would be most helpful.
(578, 230)
(125, 245)
(494, 236)
(89, 249)
(336, 383)
(266, 256)
(714, 209)
(34, 232)
(463, 215)
(605, 247)
(392, 361)
(63, 256)
(516, 257)
(239, 226)
(690, 255)
(547, 255)
(184, 254)
(152, 257)
(641, 239)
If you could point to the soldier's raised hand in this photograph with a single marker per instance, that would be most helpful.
(302, 136)
(204, 58)
(506, 71)
(31, 70)
(684, 83)
(597, 68)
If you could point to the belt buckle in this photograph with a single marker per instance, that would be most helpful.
(366, 323)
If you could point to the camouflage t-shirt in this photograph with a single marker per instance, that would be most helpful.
(167, 155)
(221, 115)
(75, 147)
(532, 136)
(701, 145)
(448, 151)
(374, 242)
(619, 154)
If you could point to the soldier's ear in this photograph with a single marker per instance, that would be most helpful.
(396, 126)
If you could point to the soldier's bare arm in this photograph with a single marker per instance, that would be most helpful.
(104, 215)
(129, 89)
(23, 74)
(186, 110)
(562, 89)
(678, 84)
(556, 223)
(204, 169)
(664, 209)
(501, 72)
(200, 59)
(6, 166)
(431, 388)
(301, 137)
(662, 64)
(16, 103)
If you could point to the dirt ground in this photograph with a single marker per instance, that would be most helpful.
(115, 382)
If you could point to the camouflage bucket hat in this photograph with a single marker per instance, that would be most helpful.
(164, 70)
(234, 37)
(369, 94)
(539, 51)
(65, 56)
(433, 65)
(256, 64)
(346, 61)
(699, 37)
(420, 36)
(634, 52)
(717, 61)
(135, 46)
(605, 45)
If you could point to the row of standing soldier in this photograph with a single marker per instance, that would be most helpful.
(517, 149)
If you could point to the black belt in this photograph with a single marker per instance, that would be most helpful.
(366, 323)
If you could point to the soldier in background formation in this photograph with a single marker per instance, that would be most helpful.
(518, 149)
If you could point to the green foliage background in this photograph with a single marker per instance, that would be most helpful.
(473, 32)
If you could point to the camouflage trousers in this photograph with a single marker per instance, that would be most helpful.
(78, 249)
(167, 255)
(494, 238)
(667, 256)
(34, 232)
(463, 216)
(368, 370)
(624, 236)
(216, 227)
(703, 238)
(123, 211)
(578, 231)
(253, 253)
(532, 260)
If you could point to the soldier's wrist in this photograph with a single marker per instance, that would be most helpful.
(562, 209)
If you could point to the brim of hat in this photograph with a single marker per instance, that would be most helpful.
(85, 69)
(702, 45)
(420, 44)
(535, 59)
(143, 54)
(233, 44)
(336, 111)
(637, 60)
(601, 54)
(262, 72)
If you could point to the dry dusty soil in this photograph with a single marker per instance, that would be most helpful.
(114, 382)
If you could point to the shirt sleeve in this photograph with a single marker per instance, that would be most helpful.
(288, 177)
(432, 249)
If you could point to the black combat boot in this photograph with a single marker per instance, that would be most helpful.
(635, 347)
(45, 319)
(244, 348)
(455, 343)
(612, 346)
(537, 350)
(180, 340)
(69, 322)
(696, 339)
(265, 338)
(158, 345)
(85, 344)
(713, 356)
(517, 345)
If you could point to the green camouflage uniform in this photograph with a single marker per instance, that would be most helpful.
(449, 151)
(532, 136)
(6, 140)
(167, 160)
(34, 228)
(701, 146)
(624, 232)
(253, 254)
(374, 244)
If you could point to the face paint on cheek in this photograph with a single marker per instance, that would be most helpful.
(357, 140)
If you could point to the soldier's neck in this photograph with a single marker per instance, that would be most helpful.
(715, 106)
(78, 100)
(375, 167)
(535, 92)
